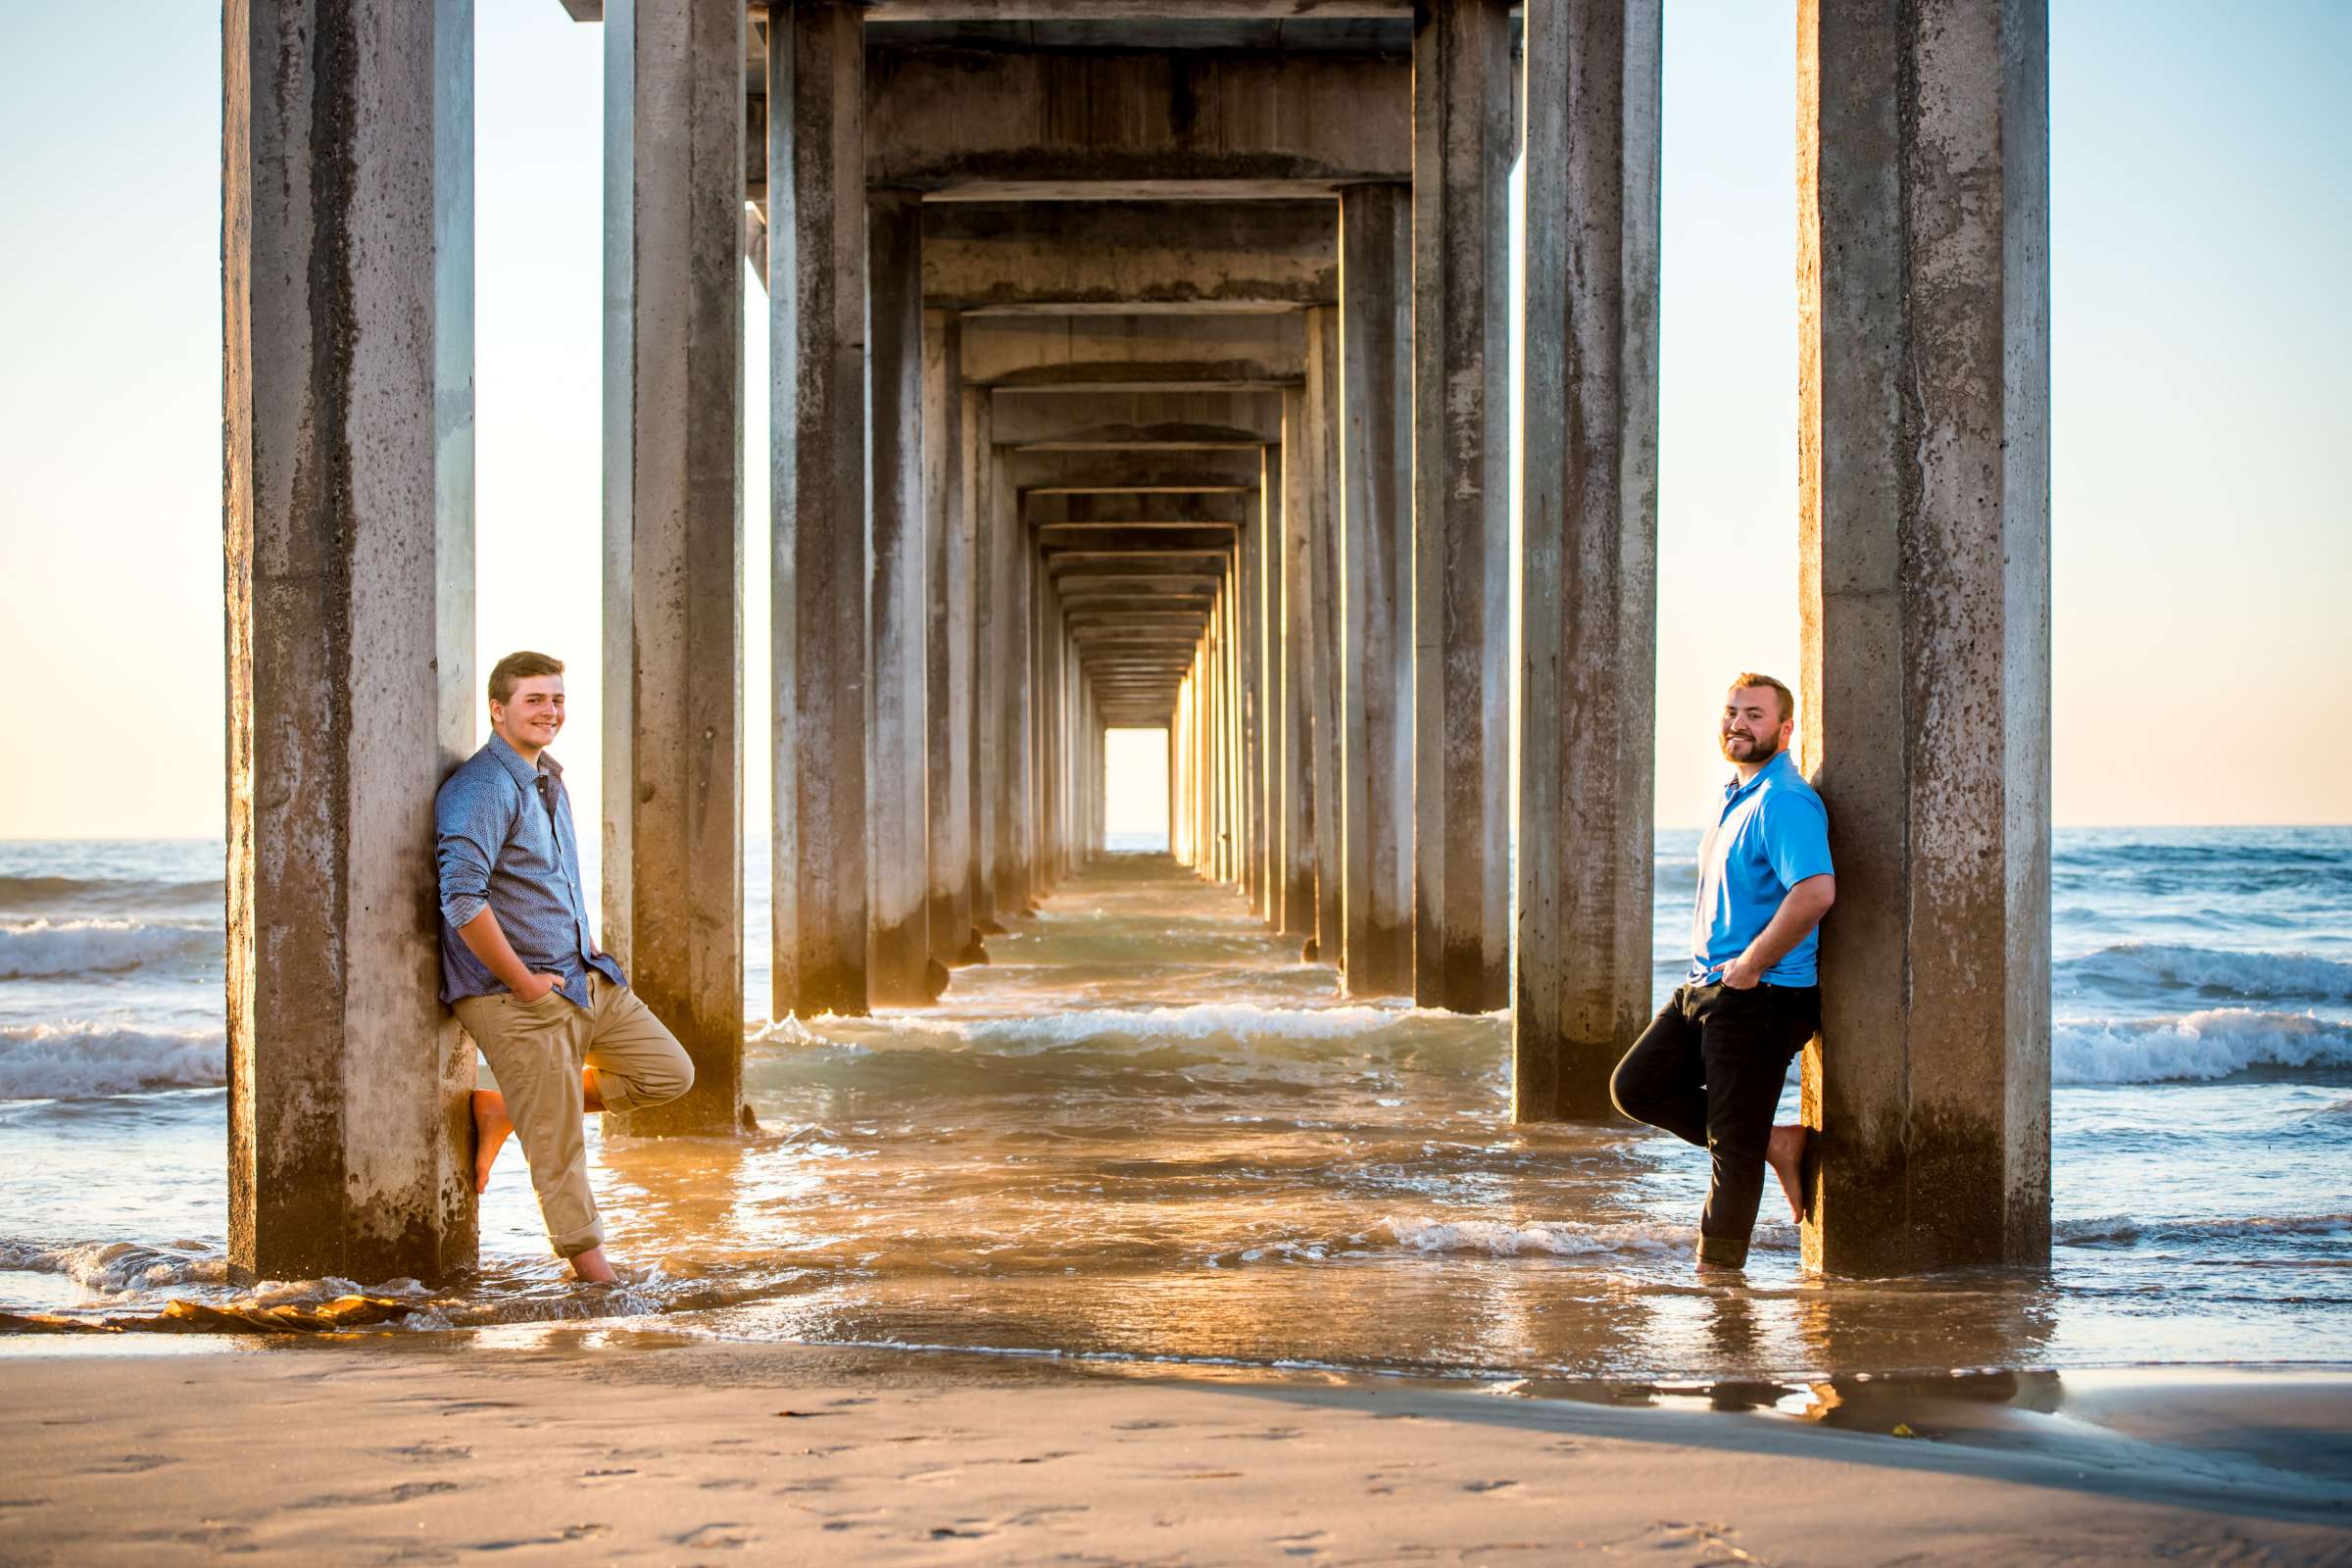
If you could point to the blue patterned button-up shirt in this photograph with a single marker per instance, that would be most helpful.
(504, 839)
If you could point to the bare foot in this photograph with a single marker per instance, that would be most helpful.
(1705, 1267)
(491, 1124)
(592, 1267)
(1785, 1152)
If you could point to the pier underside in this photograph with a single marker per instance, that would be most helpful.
(1138, 364)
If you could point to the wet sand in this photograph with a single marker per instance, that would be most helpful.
(590, 1446)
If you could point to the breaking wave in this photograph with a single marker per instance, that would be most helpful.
(50, 949)
(73, 1061)
(2254, 976)
(74, 894)
(2214, 1042)
(2122, 1230)
(118, 1268)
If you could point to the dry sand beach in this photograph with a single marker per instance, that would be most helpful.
(589, 1445)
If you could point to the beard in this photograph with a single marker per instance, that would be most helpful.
(1759, 749)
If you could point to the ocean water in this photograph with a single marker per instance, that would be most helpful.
(1146, 1130)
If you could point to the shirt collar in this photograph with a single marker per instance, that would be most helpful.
(1733, 789)
(512, 761)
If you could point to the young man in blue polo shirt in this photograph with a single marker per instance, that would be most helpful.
(1710, 1066)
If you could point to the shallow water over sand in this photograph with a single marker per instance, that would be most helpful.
(1063, 1159)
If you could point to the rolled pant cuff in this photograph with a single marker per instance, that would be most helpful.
(1722, 1252)
(612, 1096)
(573, 1243)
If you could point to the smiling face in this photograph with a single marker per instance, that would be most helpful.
(1753, 727)
(532, 714)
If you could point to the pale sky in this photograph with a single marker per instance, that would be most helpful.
(2202, 367)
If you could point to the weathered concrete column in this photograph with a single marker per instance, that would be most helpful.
(1461, 503)
(347, 282)
(816, 194)
(1376, 586)
(1248, 619)
(1297, 669)
(673, 535)
(1266, 604)
(1924, 488)
(947, 677)
(1589, 572)
(981, 476)
(897, 792)
(1013, 634)
(1322, 447)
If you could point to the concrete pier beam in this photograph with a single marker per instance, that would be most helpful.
(673, 535)
(1461, 502)
(347, 241)
(897, 792)
(816, 193)
(1376, 587)
(1924, 486)
(948, 676)
(1122, 124)
(1589, 564)
(1321, 391)
(1061, 258)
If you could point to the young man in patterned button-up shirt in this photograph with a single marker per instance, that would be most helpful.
(564, 1033)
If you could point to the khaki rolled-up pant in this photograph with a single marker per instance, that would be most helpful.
(537, 1048)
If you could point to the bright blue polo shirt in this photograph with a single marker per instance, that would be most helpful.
(1773, 834)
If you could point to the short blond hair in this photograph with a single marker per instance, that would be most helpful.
(1748, 677)
(519, 666)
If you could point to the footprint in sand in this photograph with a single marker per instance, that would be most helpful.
(1486, 1486)
(718, 1537)
(562, 1538)
(430, 1452)
(406, 1492)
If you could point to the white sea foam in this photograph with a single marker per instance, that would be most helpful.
(2214, 1042)
(45, 948)
(1205, 1021)
(1493, 1238)
(73, 1061)
(2244, 974)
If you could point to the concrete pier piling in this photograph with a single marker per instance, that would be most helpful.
(1588, 521)
(1923, 480)
(1462, 395)
(1376, 589)
(1188, 415)
(1295, 668)
(897, 818)
(347, 192)
(820, 652)
(673, 536)
(1320, 392)
(947, 665)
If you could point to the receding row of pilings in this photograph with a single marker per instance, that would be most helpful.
(1148, 369)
